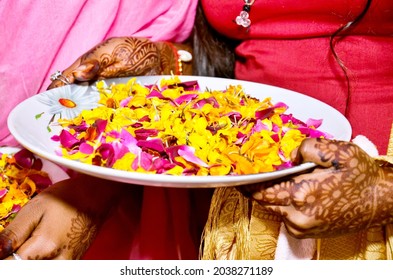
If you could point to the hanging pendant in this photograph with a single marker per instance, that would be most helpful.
(243, 18)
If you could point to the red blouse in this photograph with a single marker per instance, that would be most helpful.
(287, 45)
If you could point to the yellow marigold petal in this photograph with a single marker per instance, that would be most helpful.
(177, 170)
(28, 187)
(125, 162)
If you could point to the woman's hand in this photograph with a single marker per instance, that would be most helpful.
(121, 57)
(347, 192)
(61, 222)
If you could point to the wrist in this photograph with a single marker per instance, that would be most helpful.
(175, 58)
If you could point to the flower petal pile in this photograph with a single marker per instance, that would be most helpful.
(21, 178)
(176, 128)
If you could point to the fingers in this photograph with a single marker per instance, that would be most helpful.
(6, 247)
(86, 71)
(17, 232)
(38, 248)
(293, 190)
(327, 153)
(80, 71)
(11, 238)
(278, 194)
(310, 151)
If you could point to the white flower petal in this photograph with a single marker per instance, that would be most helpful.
(78, 94)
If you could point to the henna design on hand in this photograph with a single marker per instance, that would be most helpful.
(116, 57)
(353, 193)
(133, 56)
(124, 56)
(51, 256)
(84, 229)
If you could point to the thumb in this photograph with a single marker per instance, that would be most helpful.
(78, 72)
(18, 231)
(86, 71)
(6, 244)
(320, 151)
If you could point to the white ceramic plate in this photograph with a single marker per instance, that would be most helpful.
(32, 133)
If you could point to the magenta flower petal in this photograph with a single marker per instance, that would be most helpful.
(125, 101)
(126, 138)
(86, 148)
(101, 125)
(37, 165)
(189, 85)
(314, 123)
(67, 139)
(106, 151)
(263, 114)
(15, 208)
(259, 126)
(185, 98)
(212, 101)
(234, 116)
(153, 144)
(275, 128)
(3, 192)
(143, 133)
(290, 118)
(145, 160)
(275, 138)
(42, 182)
(281, 105)
(284, 165)
(162, 165)
(188, 153)
(155, 93)
(129, 142)
(24, 158)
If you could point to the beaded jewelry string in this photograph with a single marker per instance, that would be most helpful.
(243, 18)
(181, 56)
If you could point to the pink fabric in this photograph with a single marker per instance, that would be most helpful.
(40, 37)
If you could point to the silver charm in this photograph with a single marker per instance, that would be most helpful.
(243, 19)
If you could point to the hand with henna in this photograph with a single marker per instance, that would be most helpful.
(347, 192)
(62, 221)
(122, 57)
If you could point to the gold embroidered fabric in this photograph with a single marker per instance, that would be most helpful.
(239, 228)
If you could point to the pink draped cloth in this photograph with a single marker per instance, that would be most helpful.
(40, 37)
